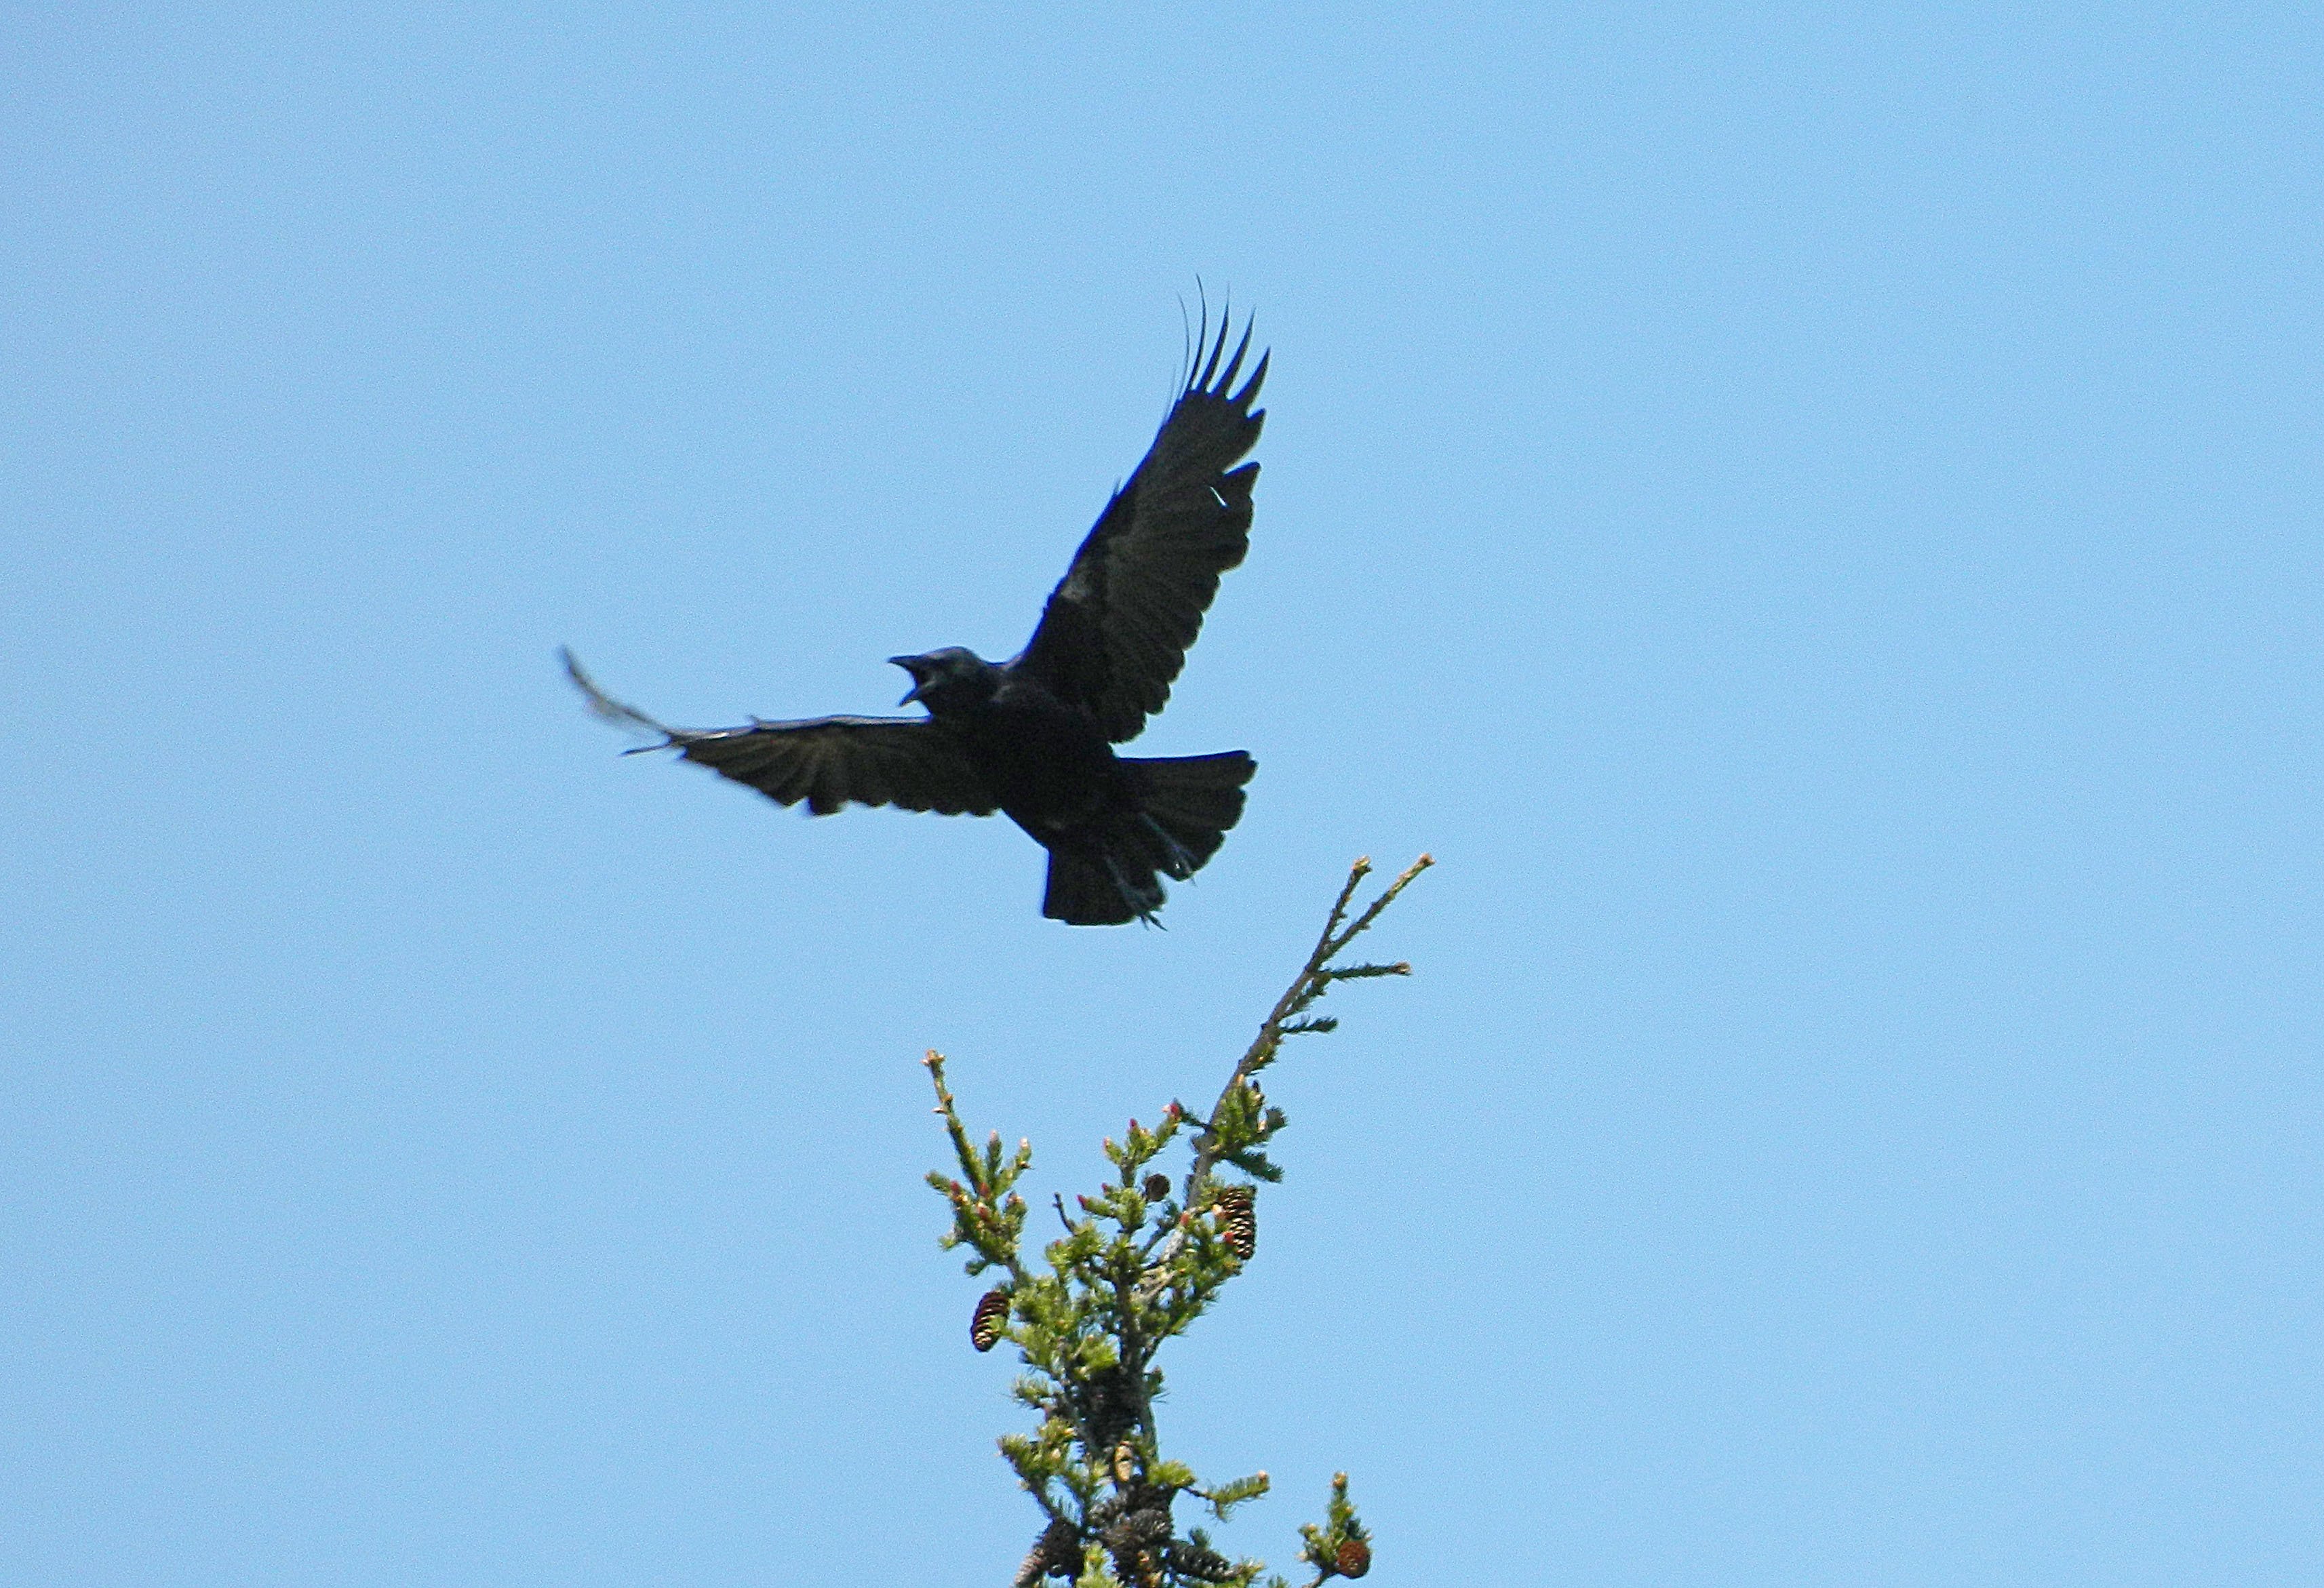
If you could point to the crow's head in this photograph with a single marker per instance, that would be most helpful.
(948, 680)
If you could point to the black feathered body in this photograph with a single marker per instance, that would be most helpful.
(1049, 768)
(1113, 825)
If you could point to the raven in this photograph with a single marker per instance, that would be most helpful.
(1033, 737)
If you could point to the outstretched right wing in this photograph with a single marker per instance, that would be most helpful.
(824, 763)
(1117, 627)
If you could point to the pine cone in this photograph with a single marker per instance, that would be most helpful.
(1139, 1529)
(1057, 1552)
(1205, 1565)
(1238, 1221)
(1156, 1188)
(992, 1316)
(1133, 1542)
(1354, 1558)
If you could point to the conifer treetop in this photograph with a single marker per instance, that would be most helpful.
(1139, 1259)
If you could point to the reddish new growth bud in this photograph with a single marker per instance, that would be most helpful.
(1354, 1558)
(991, 1317)
(1172, 1111)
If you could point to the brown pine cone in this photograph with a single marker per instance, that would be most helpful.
(1134, 1541)
(991, 1317)
(1057, 1552)
(1139, 1529)
(1205, 1565)
(1354, 1558)
(1239, 1221)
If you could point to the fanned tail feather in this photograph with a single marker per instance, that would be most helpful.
(1190, 802)
(1195, 799)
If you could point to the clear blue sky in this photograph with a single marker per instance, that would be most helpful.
(1809, 513)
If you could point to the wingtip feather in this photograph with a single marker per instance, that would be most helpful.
(1234, 363)
(1242, 399)
(1218, 350)
(606, 709)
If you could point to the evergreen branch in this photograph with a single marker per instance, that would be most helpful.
(1307, 987)
(988, 1216)
(1343, 1545)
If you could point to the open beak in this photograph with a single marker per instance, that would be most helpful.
(915, 667)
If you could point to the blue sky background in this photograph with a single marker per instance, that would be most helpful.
(1808, 512)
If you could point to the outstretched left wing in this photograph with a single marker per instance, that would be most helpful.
(823, 762)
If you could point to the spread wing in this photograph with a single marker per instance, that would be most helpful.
(1116, 629)
(826, 762)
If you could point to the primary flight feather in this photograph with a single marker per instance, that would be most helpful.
(1033, 737)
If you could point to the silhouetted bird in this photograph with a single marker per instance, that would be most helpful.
(1033, 737)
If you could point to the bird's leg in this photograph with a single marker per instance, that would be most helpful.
(1181, 863)
(1132, 897)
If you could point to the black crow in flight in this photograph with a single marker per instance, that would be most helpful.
(1033, 737)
